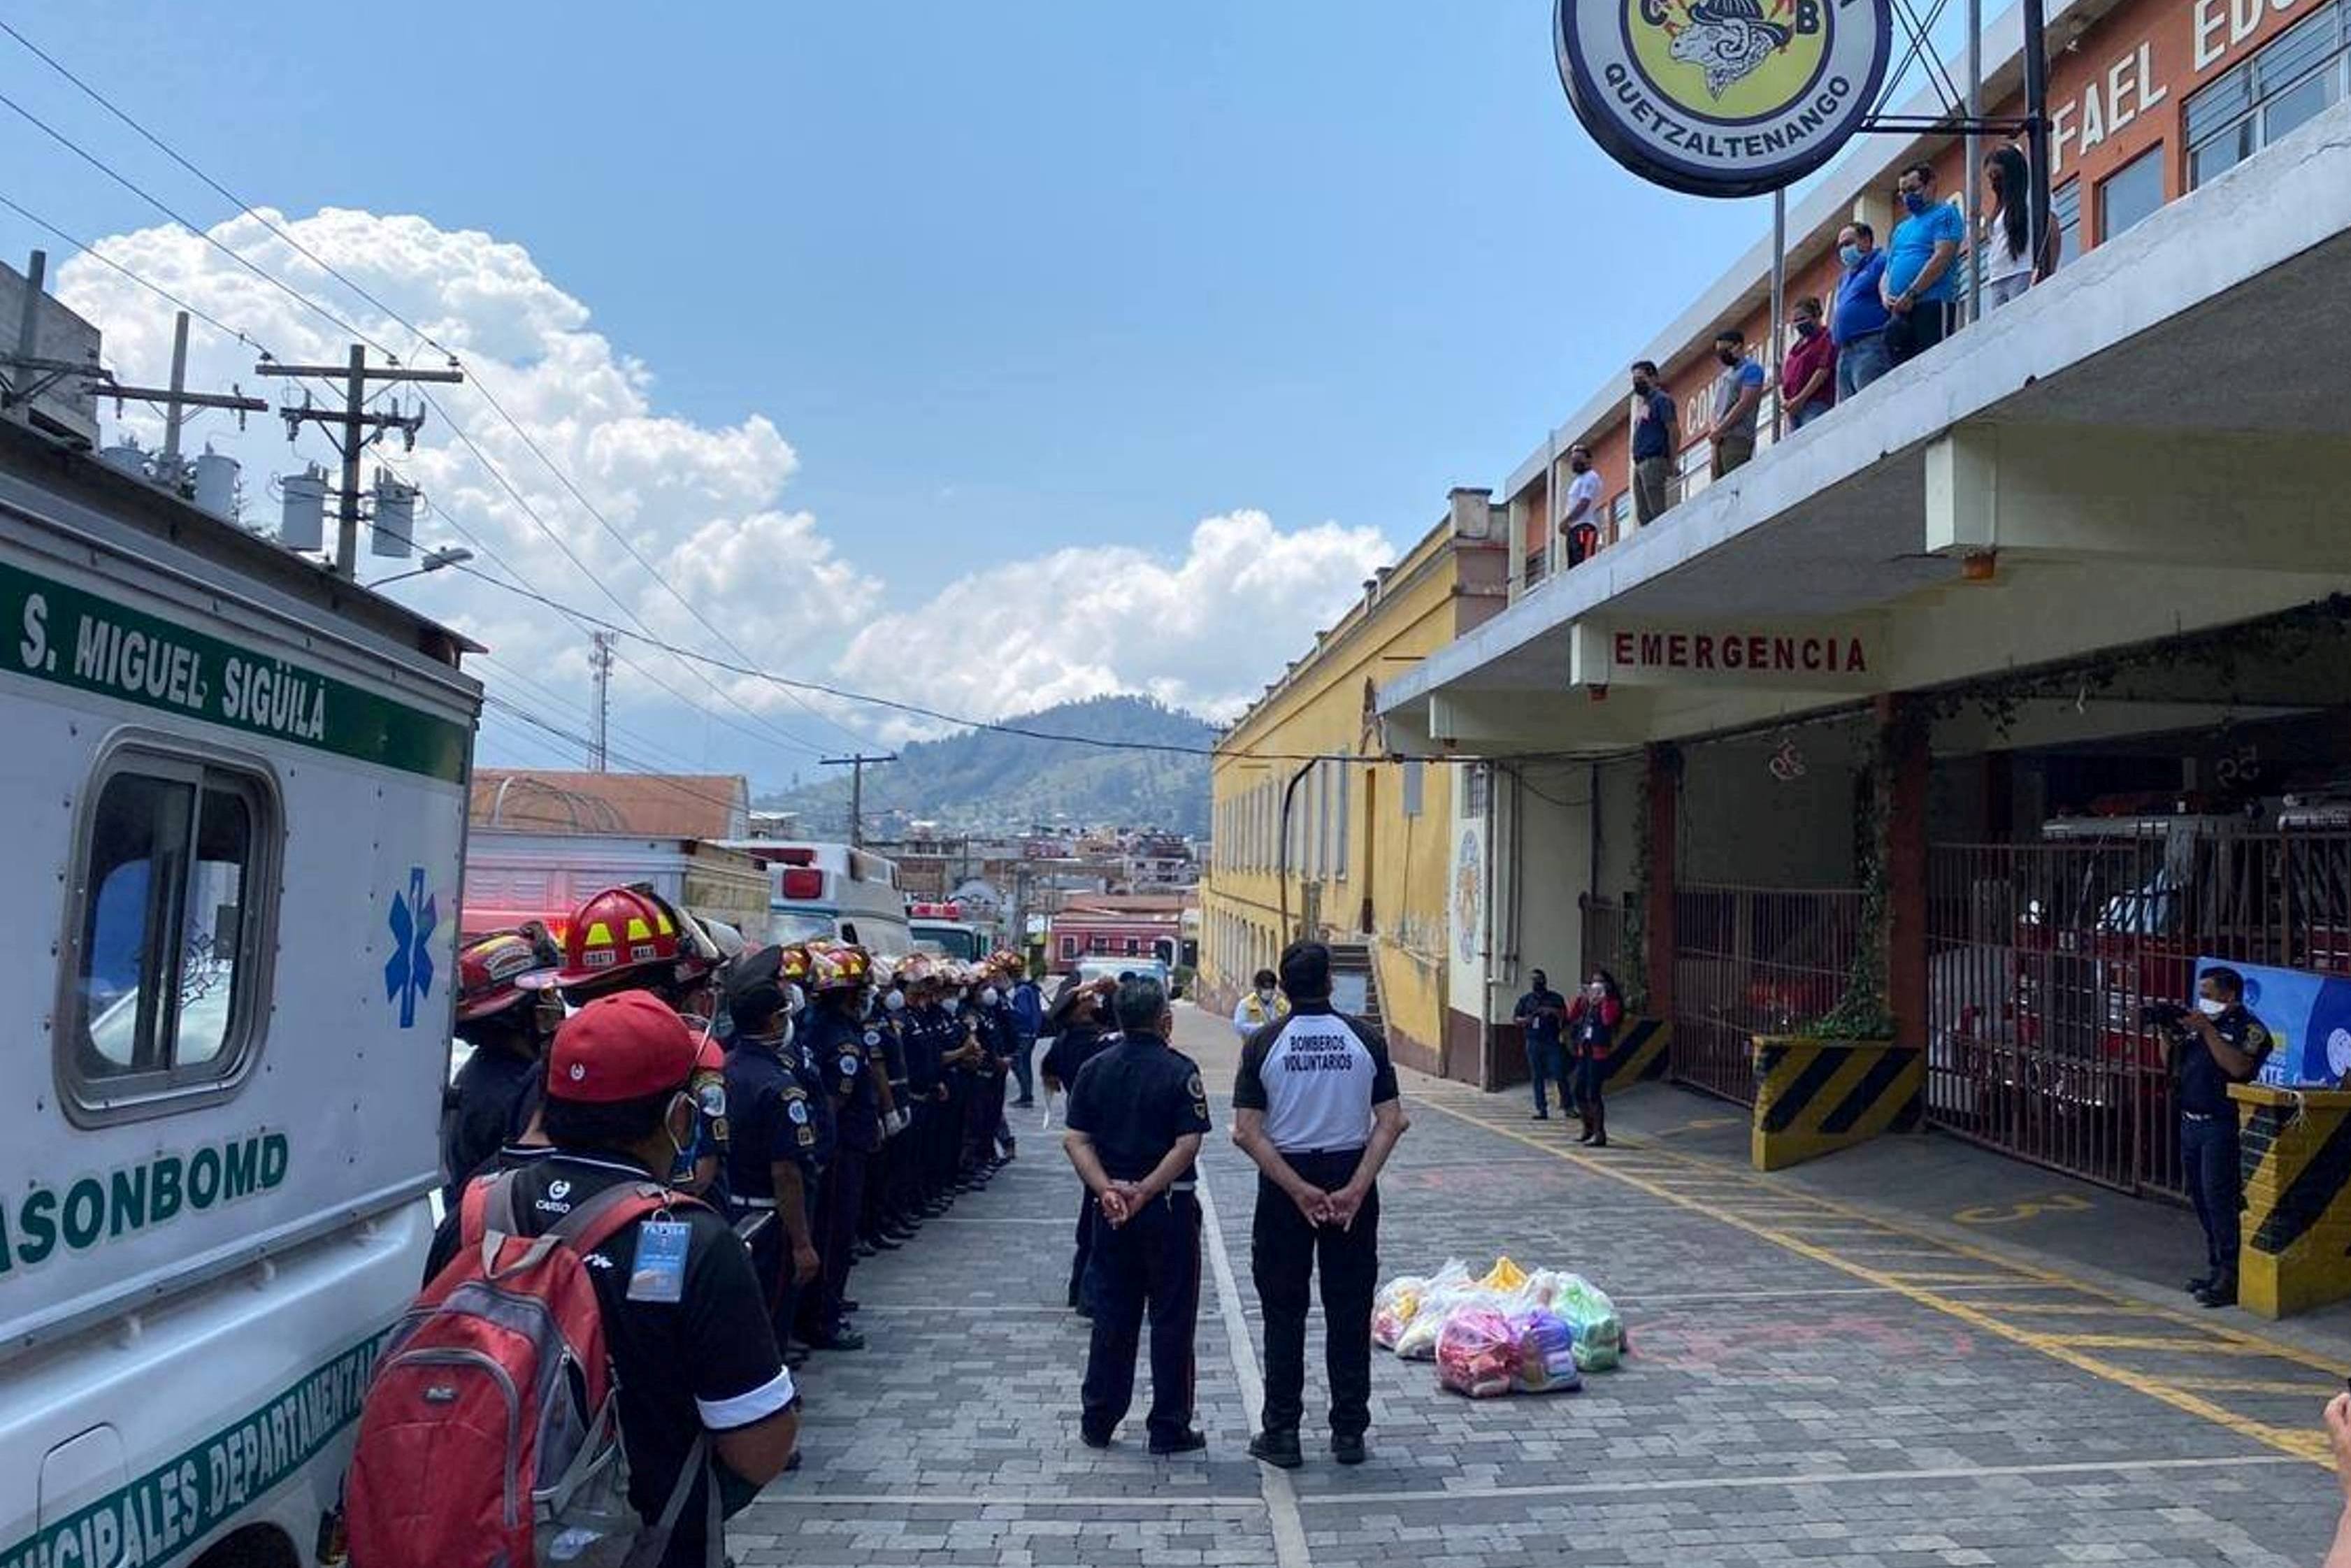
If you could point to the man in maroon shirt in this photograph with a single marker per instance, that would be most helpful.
(1808, 375)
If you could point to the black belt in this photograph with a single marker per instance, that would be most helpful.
(1319, 1154)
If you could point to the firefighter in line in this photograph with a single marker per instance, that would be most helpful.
(508, 1012)
(835, 1036)
(879, 1229)
(774, 1155)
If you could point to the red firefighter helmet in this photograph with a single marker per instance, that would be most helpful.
(498, 970)
(620, 931)
(838, 968)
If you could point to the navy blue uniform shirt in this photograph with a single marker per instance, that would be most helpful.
(773, 1123)
(2203, 1081)
(1134, 1100)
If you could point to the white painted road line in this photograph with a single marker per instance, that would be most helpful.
(1281, 1495)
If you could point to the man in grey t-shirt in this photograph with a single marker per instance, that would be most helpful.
(1738, 394)
(1315, 1106)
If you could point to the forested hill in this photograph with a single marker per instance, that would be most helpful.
(987, 780)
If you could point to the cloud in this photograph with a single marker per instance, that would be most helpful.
(703, 502)
(1202, 632)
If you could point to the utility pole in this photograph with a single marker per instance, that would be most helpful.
(857, 766)
(176, 399)
(600, 662)
(358, 429)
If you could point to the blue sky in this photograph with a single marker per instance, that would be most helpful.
(1008, 278)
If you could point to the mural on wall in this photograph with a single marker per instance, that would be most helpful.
(1468, 895)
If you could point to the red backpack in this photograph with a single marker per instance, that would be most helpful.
(490, 1435)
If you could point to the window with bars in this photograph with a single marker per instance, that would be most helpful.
(2294, 76)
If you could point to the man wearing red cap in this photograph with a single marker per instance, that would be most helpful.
(692, 1345)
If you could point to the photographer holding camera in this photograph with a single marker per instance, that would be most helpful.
(2218, 1044)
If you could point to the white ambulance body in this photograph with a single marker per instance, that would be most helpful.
(235, 795)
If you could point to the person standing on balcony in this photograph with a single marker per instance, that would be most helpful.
(2007, 251)
(2219, 1043)
(1920, 282)
(1737, 393)
(1808, 375)
(1581, 524)
(1542, 1018)
(1656, 432)
(1859, 328)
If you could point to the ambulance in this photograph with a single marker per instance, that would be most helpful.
(234, 788)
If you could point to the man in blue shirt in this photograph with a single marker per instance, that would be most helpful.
(1858, 326)
(1542, 1014)
(1919, 287)
(1654, 441)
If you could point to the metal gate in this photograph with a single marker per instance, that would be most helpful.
(1750, 961)
(2040, 956)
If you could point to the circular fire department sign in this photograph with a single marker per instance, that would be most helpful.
(1723, 98)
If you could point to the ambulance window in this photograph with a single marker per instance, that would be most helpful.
(165, 943)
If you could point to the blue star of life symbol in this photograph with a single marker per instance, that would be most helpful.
(408, 973)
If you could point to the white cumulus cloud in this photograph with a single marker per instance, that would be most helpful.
(703, 502)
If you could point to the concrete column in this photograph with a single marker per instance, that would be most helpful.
(1906, 870)
(1665, 815)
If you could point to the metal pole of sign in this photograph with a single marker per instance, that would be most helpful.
(2036, 128)
(1974, 174)
(1779, 300)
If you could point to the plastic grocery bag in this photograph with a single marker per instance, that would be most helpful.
(1446, 1288)
(1505, 1278)
(1395, 1307)
(1546, 1354)
(1599, 1331)
(1477, 1353)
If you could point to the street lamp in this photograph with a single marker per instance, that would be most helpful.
(433, 560)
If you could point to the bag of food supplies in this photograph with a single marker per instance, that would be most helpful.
(1477, 1353)
(1448, 1288)
(1505, 1278)
(1395, 1307)
(1546, 1354)
(1599, 1331)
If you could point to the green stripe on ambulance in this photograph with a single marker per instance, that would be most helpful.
(89, 1212)
(159, 1516)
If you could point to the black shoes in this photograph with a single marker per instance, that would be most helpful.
(839, 1339)
(2200, 1284)
(1189, 1441)
(2220, 1293)
(1348, 1448)
(1279, 1449)
(1540, 1116)
(1091, 1439)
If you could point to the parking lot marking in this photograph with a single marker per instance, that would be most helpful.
(2304, 1444)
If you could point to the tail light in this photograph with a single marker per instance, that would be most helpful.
(799, 883)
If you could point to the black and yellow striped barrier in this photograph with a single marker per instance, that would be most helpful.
(1641, 1052)
(2294, 1150)
(1813, 1097)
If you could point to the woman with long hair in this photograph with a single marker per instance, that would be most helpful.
(2007, 244)
(1592, 1022)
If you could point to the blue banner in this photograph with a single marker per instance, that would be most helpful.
(2308, 1017)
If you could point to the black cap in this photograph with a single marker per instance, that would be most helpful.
(755, 986)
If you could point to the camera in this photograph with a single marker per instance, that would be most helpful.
(2160, 1015)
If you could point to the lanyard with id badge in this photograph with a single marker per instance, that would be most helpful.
(657, 1273)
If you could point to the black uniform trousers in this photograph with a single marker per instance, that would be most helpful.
(2208, 1159)
(1286, 1251)
(1085, 1245)
(800, 1309)
(1149, 1265)
(844, 1196)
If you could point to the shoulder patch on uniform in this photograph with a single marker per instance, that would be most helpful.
(1195, 1088)
(872, 1036)
(847, 1066)
(808, 1137)
(2255, 1035)
(799, 1111)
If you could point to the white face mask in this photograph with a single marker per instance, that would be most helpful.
(987, 997)
(795, 999)
(895, 1002)
(2210, 1008)
(1265, 995)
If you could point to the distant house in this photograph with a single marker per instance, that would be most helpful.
(662, 805)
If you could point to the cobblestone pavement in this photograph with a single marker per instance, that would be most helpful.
(1809, 1384)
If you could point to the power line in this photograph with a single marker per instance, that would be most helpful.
(215, 323)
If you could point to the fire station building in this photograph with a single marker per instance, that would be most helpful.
(1970, 714)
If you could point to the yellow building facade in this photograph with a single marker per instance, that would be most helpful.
(1360, 854)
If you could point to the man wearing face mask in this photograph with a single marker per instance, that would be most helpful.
(1656, 436)
(1808, 375)
(1858, 325)
(774, 1156)
(693, 1355)
(834, 1032)
(1581, 524)
(2218, 1044)
(1920, 283)
(508, 1013)
(1264, 1003)
(1738, 394)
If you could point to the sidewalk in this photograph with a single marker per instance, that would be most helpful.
(1969, 1196)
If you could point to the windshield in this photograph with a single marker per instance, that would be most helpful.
(785, 926)
(948, 941)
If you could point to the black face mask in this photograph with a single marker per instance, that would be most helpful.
(1728, 356)
(1641, 386)
(1578, 465)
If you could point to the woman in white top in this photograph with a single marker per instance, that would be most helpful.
(2006, 249)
